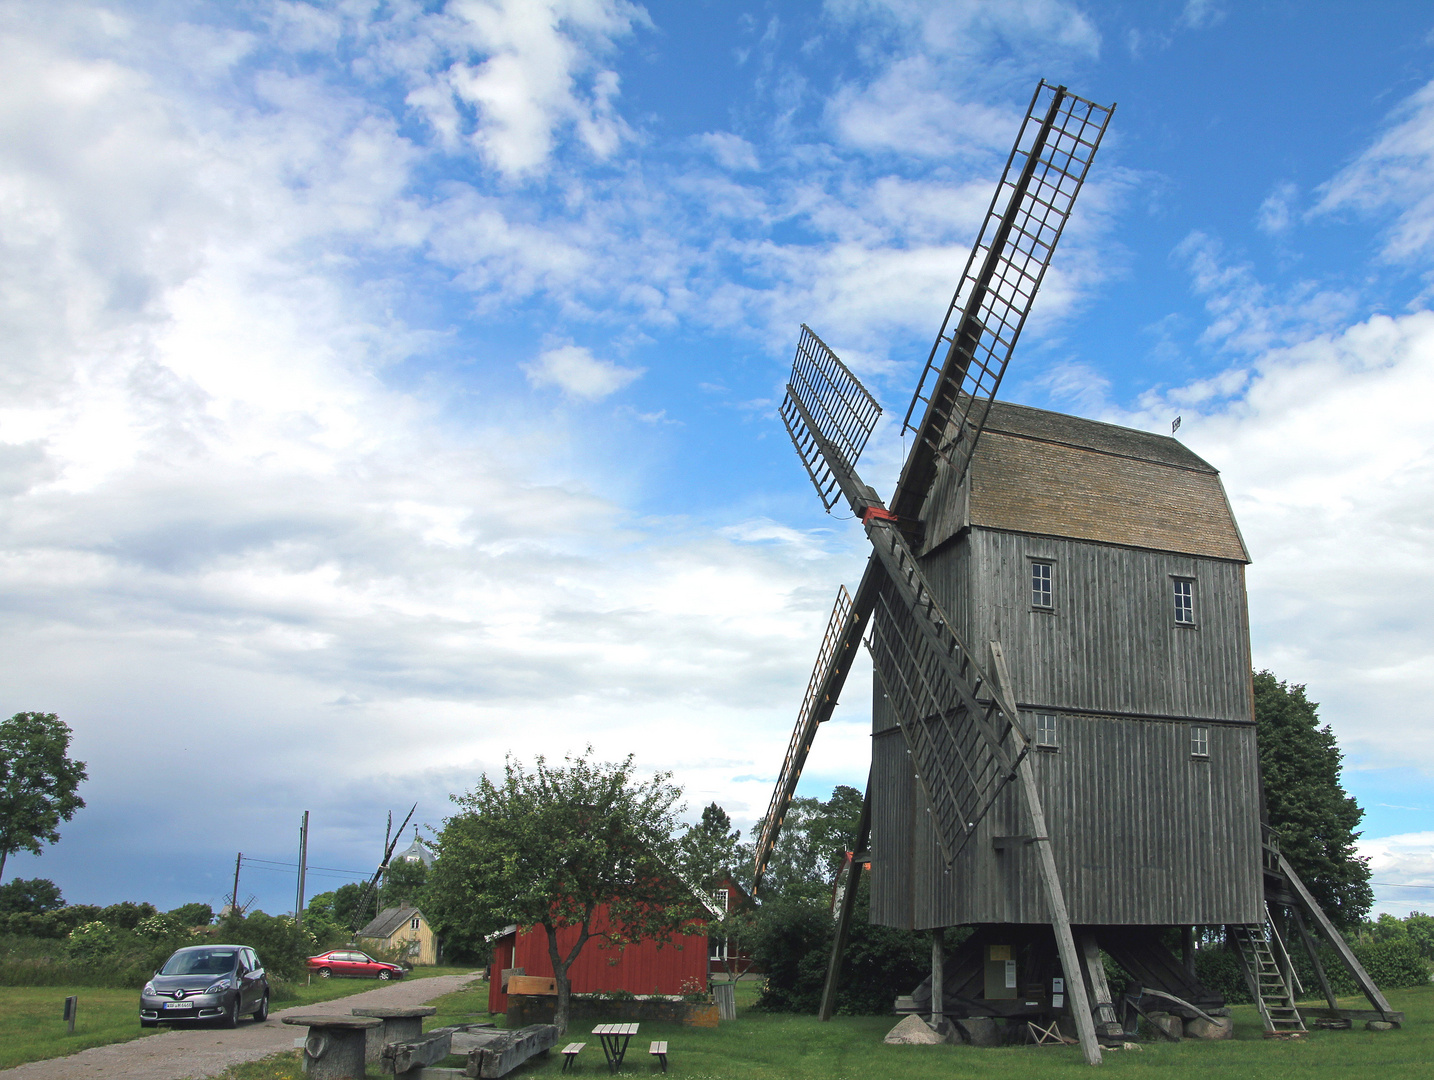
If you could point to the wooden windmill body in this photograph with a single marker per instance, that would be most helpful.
(1063, 743)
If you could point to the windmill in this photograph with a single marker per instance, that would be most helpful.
(981, 538)
(390, 841)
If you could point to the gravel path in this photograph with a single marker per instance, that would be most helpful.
(184, 1053)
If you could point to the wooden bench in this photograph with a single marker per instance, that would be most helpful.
(660, 1050)
(570, 1054)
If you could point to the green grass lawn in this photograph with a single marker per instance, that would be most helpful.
(779, 1047)
(31, 1028)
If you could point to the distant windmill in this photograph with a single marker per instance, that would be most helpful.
(1094, 779)
(390, 841)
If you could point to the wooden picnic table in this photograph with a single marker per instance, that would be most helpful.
(614, 1039)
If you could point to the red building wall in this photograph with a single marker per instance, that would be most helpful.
(640, 968)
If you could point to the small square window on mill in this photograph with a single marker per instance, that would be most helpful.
(1185, 601)
(1042, 595)
(1199, 741)
(1046, 731)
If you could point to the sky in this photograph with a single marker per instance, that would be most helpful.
(391, 387)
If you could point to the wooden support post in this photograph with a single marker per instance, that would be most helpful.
(938, 990)
(848, 905)
(1050, 877)
(1319, 971)
(1335, 938)
(1100, 986)
(1187, 949)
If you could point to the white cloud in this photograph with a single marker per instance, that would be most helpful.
(1394, 176)
(1403, 868)
(1276, 213)
(1200, 15)
(730, 151)
(576, 372)
(1327, 451)
(535, 73)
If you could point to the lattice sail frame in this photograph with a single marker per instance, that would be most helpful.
(1044, 173)
(803, 733)
(963, 751)
(840, 407)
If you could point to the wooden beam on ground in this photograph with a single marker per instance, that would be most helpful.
(1055, 895)
(848, 905)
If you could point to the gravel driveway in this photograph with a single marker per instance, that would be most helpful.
(204, 1051)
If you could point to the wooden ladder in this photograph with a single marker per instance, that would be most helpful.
(1273, 995)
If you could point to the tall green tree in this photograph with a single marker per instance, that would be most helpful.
(1316, 819)
(549, 846)
(39, 784)
(403, 883)
(813, 843)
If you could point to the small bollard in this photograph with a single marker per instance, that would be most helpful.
(72, 1006)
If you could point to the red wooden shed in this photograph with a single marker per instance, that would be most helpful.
(679, 966)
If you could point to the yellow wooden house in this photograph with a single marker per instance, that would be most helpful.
(405, 932)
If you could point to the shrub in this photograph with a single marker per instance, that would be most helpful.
(282, 946)
(1393, 964)
(792, 945)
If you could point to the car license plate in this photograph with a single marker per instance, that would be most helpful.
(179, 1004)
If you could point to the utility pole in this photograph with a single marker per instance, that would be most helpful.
(303, 868)
(234, 900)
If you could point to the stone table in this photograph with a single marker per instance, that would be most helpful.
(399, 1025)
(334, 1049)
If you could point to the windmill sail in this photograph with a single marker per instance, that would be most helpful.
(1043, 175)
(838, 649)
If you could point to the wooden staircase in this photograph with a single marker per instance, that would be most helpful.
(1266, 978)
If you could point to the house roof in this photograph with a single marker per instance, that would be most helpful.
(1055, 475)
(389, 920)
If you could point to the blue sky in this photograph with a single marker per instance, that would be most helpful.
(391, 386)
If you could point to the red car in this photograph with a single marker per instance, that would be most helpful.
(352, 964)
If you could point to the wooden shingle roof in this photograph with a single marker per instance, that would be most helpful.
(1054, 475)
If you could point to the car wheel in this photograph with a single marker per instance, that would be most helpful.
(324, 973)
(262, 1012)
(230, 1019)
(149, 1023)
(385, 975)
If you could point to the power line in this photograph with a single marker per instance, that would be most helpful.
(1399, 885)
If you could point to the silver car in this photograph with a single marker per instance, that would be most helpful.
(206, 982)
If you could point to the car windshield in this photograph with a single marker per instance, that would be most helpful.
(199, 962)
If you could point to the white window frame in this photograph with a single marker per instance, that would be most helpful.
(1048, 579)
(1200, 741)
(1047, 732)
(721, 896)
(1183, 589)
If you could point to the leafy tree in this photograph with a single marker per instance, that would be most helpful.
(713, 855)
(39, 784)
(331, 915)
(711, 849)
(550, 846)
(1307, 805)
(813, 843)
(193, 914)
(403, 883)
(126, 915)
(33, 896)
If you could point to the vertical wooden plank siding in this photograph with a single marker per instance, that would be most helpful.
(1143, 832)
(641, 968)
